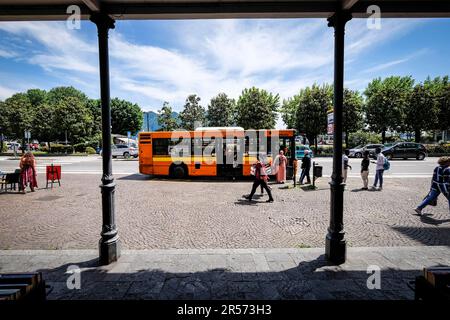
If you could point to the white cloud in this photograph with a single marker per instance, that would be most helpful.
(59, 47)
(6, 92)
(206, 57)
(7, 54)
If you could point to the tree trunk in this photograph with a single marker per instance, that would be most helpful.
(417, 136)
(346, 140)
(315, 144)
(383, 136)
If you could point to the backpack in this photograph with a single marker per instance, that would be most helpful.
(386, 164)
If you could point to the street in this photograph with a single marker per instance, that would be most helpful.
(93, 165)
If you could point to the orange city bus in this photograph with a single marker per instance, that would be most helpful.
(215, 152)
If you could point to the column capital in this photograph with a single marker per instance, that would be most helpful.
(102, 20)
(340, 17)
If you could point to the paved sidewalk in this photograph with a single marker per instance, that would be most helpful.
(229, 273)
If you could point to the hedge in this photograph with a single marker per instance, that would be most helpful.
(90, 150)
(59, 148)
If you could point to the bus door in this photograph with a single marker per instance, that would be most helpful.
(230, 162)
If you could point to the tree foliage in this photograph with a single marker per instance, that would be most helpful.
(166, 121)
(74, 118)
(193, 113)
(49, 115)
(352, 120)
(19, 113)
(311, 113)
(257, 109)
(221, 111)
(125, 116)
(386, 103)
(423, 110)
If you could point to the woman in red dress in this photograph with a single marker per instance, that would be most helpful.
(28, 172)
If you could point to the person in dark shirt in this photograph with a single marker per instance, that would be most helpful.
(439, 184)
(365, 162)
(306, 166)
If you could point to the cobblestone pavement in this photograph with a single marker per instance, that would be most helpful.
(156, 213)
(229, 273)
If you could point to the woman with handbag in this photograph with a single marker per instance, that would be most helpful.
(439, 184)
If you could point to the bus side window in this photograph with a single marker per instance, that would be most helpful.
(161, 147)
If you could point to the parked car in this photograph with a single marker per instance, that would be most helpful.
(122, 150)
(405, 150)
(358, 151)
(300, 151)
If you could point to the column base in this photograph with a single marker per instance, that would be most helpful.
(335, 249)
(109, 250)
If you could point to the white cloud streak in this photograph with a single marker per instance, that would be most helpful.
(207, 57)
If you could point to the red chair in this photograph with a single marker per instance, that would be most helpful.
(53, 173)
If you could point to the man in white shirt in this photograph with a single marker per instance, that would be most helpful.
(345, 165)
(379, 170)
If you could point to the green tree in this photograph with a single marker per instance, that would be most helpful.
(4, 122)
(440, 88)
(423, 111)
(43, 123)
(352, 120)
(74, 118)
(288, 112)
(125, 116)
(19, 113)
(58, 94)
(386, 103)
(257, 109)
(311, 114)
(37, 97)
(166, 121)
(94, 105)
(361, 138)
(221, 111)
(192, 113)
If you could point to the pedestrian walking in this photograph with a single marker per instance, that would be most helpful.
(261, 178)
(280, 165)
(382, 164)
(440, 183)
(345, 165)
(28, 172)
(365, 162)
(306, 166)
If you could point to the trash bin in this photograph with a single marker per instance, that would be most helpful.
(317, 172)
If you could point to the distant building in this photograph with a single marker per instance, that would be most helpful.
(150, 122)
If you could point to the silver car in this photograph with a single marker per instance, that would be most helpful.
(122, 150)
(358, 151)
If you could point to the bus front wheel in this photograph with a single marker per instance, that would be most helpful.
(178, 172)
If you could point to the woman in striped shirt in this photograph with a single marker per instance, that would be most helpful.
(439, 184)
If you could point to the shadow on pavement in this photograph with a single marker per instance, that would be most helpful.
(427, 235)
(310, 280)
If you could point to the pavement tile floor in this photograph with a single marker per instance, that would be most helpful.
(291, 273)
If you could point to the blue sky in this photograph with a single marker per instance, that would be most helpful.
(156, 61)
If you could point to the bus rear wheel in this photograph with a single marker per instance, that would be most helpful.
(178, 172)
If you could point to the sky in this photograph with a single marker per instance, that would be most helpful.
(156, 61)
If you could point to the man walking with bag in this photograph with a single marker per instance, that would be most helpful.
(261, 178)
